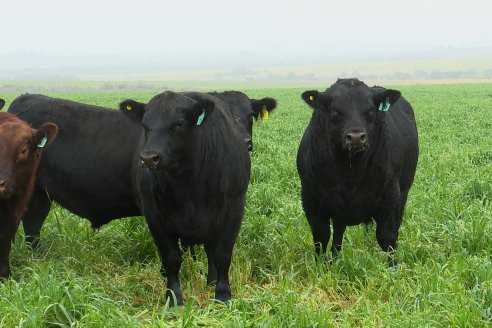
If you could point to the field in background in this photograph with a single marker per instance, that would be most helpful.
(146, 76)
(110, 278)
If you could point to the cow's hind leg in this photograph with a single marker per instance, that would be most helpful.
(35, 216)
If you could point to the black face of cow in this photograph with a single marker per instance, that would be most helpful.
(168, 121)
(244, 111)
(351, 111)
(242, 115)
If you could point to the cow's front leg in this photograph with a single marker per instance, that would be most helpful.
(338, 231)
(170, 254)
(5, 244)
(387, 230)
(212, 269)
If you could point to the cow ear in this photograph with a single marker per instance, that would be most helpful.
(262, 107)
(311, 98)
(133, 110)
(385, 98)
(200, 112)
(45, 134)
(2, 103)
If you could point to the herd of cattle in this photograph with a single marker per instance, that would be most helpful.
(182, 161)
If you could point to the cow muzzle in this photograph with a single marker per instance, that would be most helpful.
(355, 140)
(150, 159)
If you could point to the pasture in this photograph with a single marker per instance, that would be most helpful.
(110, 278)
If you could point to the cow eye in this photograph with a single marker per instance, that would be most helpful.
(180, 123)
(23, 152)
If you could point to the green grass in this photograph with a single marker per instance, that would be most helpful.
(110, 278)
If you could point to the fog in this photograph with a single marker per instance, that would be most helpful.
(65, 37)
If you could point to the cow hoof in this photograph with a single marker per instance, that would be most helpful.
(174, 301)
(222, 298)
(4, 274)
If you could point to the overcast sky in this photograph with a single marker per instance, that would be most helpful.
(304, 27)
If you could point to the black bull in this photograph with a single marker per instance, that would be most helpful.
(191, 181)
(357, 161)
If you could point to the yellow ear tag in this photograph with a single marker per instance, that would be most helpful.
(311, 98)
(264, 113)
(128, 107)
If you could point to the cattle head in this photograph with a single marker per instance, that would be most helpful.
(351, 112)
(170, 121)
(244, 111)
(20, 151)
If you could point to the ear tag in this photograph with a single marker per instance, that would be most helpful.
(200, 118)
(384, 107)
(311, 98)
(129, 107)
(42, 142)
(264, 113)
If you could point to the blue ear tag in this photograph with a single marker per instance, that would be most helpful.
(42, 142)
(200, 118)
(386, 106)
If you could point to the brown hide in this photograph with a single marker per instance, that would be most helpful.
(20, 153)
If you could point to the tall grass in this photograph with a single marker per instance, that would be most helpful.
(110, 277)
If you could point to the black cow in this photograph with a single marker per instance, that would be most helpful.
(88, 169)
(191, 172)
(357, 161)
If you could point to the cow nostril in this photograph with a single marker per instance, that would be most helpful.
(363, 137)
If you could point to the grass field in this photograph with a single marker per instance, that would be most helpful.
(110, 278)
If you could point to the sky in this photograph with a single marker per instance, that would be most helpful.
(295, 29)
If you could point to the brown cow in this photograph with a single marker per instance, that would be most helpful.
(20, 152)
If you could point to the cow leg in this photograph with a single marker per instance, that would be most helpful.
(35, 216)
(338, 231)
(320, 229)
(320, 226)
(387, 235)
(6, 237)
(170, 260)
(222, 255)
(212, 269)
